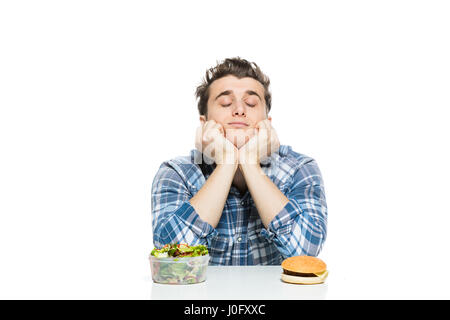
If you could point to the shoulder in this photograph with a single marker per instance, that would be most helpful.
(291, 166)
(183, 169)
(292, 160)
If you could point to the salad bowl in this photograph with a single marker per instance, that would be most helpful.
(179, 264)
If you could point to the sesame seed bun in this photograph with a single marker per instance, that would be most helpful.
(304, 264)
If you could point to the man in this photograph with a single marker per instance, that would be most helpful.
(248, 198)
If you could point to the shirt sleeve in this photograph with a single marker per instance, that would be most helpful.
(301, 226)
(174, 220)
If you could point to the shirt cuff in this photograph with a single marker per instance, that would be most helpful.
(282, 223)
(191, 218)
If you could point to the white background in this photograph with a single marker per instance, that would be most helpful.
(94, 95)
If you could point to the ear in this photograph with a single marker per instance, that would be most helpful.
(269, 118)
(202, 119)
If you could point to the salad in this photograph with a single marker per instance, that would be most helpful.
(179, 264)
(180, 250)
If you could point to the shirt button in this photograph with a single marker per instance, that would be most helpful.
(239, 239)
(242, 203)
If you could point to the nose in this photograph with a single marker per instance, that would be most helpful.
(239, 109)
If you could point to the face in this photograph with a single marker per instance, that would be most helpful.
(238, 105)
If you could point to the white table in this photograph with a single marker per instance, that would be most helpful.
(264, 283)
(118, 278)
(240, 282)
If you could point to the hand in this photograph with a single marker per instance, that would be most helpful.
(259, 148)
(210, 140)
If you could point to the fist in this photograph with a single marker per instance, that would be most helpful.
(210, 140)
(259, 148)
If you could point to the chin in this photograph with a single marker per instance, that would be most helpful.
(239, 137)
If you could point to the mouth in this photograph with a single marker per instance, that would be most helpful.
(238, 124)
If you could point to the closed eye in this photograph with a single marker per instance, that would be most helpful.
(227, 105)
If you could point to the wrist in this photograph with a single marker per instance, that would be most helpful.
(230, 167)
(248, 156)
(248, 167)
(248, 160)
(228, 159)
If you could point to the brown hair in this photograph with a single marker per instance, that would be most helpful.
(237, 67)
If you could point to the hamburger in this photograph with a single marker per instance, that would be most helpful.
(304, 270)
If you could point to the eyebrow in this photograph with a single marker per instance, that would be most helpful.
(228, 92)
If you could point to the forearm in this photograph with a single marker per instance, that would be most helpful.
(210, 199)
(269, 200)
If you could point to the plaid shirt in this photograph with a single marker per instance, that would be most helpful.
(240, 237)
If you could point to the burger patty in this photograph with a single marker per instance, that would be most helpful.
(299, 274)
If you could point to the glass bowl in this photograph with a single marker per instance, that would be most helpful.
(184, 270)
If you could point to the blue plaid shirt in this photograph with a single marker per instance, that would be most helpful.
(240, 237)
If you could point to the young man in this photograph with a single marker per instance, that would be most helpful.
(248, 198)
